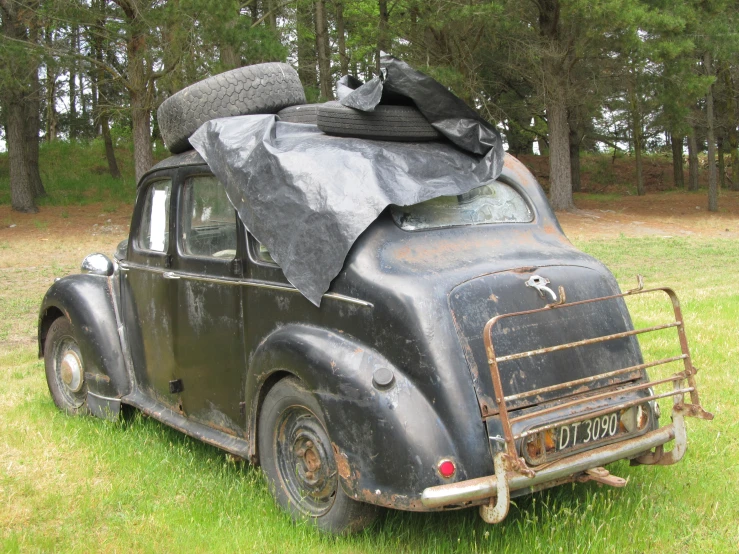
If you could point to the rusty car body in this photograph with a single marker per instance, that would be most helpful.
(454, 365)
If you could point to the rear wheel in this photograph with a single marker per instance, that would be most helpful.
(65, 371)
(296, 455)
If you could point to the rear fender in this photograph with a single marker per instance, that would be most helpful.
(87, 302)
(387, 443)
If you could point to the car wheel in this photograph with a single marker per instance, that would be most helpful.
(296, 455)
(65, 371)
(386, 122)
(305, 113)
(256, 89)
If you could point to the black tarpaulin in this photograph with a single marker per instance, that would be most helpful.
(307, 196)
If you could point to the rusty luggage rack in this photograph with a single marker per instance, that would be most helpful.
(512, 472)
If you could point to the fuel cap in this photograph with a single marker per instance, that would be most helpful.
(383, 378)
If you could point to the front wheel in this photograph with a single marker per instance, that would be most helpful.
(296, 455)
(65, 372)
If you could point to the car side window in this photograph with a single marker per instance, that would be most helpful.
(154, 230)
(208, 219)
(263, 253)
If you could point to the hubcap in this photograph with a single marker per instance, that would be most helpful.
(71, 371)
(306, 461)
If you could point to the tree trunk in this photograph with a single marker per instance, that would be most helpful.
(51, 77)
(732, 135)
(574, 122)
(721, 162)
(383, 42)
(639, 166)
(73, 83)
(143, 156)
(95, 92)
(341, 37)
(575, 161)
(307, 49)
(109, 150)
(228, 53)
(637, 136)
(692, 160)
(556, 82)
(712, 181)
(101, 114)
(33, 113)
(636, 132)
(16, 110)
(323, 49)
(560, 177)
(83, 119)
(677, 160)
(21, 189)
(272, 16)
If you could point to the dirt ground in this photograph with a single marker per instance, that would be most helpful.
(669, 214)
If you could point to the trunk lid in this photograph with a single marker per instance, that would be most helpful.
(476, 301)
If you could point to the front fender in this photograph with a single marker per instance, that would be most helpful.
(87, 302)
(387, 443)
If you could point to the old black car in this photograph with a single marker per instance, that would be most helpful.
(405, 389)
(466, 353)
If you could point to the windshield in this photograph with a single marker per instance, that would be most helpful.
(494, 202)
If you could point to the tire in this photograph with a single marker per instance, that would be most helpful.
(66, 384)
(256, 89)
(400, 123)
(305, 113)
(296, 455)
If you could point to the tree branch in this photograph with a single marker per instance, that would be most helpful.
(43, 49)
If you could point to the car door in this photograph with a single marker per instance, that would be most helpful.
(209, 348)
(149, 293)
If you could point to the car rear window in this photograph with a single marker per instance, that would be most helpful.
(494, 202)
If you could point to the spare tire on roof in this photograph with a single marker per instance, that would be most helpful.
(256, 89)
(386, 122)
(304, 113)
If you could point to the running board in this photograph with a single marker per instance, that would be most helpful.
(225, 441)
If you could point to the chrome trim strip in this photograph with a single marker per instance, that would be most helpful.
(239, 282)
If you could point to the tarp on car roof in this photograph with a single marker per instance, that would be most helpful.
(307, 196)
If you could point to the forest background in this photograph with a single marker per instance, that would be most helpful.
(569, 76)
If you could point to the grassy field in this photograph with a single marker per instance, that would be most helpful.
(87, 485)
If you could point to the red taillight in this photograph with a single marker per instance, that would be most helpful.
(446, 468)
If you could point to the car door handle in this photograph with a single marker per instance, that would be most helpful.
(170, 275)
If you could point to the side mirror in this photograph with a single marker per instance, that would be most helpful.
(98, 264)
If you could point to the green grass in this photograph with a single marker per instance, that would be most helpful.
(82, 484)
(76, 173)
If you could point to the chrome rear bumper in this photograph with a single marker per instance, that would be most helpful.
(487, 487)
(572, 467)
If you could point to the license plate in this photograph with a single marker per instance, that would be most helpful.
(587, 431)
(556, 441)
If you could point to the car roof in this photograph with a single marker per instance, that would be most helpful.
(191, 157)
